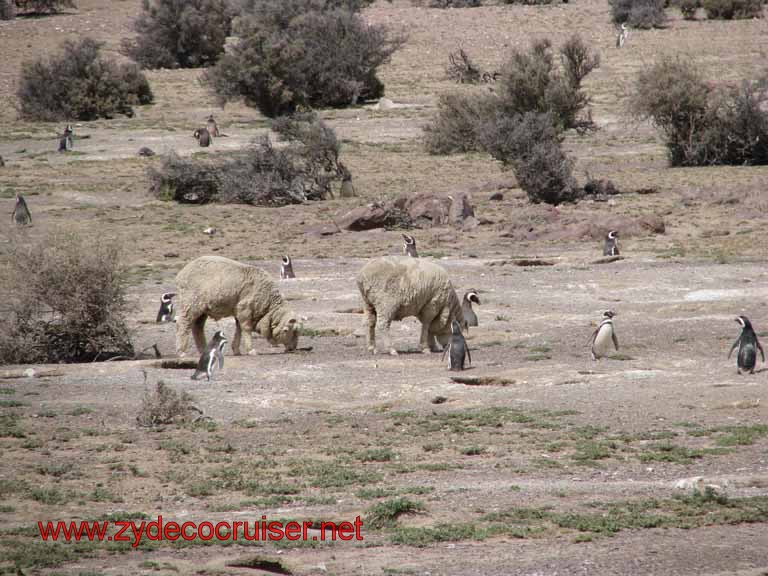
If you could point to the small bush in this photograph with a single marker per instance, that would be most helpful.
(531, 81)
(180, 33)
(165, 406)
(300, 54)
(454, 127)
(7, 9)
(78, 84)
(639, 13)
(688, 8)
(703, 126)
(264, 175)
(44, 6)
(733, 9)
(530, 145)
(67, 302)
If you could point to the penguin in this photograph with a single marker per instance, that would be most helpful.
(457, 348)
(286, 268)
(203, 137)
(601, 338)
(611, 246)
(212, 356)
(409, 246)
(66, 141)
(20, 215)
(212, 127)
(165, 314)
(470, 318)
(622, 35)
(748, 346)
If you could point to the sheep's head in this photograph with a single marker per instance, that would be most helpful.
(287, 334)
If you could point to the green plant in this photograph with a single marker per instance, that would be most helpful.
(733, 9)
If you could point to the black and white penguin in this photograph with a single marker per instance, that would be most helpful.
(66, 140)
(21, 215)
(611, 245)
(409, 246)
(457, 348)
(212, 357)
(286, 268)
(165, 314)
(602, 337)
(748, 346)
(470, 318)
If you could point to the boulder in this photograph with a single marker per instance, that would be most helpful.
(366, 217)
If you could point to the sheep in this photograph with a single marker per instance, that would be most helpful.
(395, 287)
(217, 287)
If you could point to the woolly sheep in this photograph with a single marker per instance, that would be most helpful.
(396, 287)
(217, 287)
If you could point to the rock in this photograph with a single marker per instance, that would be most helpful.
(385, 104)
(29, 372)
(366, 217)
(146, 152)
(171, 255)
(698, 485)
(322, 230)
(653, 223)
(426, 209)
(497, 196)
(470, 223)
(2, 162)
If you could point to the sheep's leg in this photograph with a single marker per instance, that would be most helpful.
(427, 341)
(383, 322)
(236, 338)
(246, 329)
(198, 332)
(370, 320)
(182, 334)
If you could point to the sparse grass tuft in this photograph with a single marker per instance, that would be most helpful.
(385, 514)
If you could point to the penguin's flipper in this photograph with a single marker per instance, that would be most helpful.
(194, 376)
(734, 346)
(615, 340)
(469, 356)
(445, 351)
(591, 339)
(760, 347)
(159, 315)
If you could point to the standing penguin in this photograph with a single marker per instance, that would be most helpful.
(457, 348)
(66, 141)
(212, 127)
(748, 346)
(203, 137)
(212, 356)
(165, 314)
(601, 338)
(409, 246)
(611, 246)
(20, 215)
(470, 318)
(286, 268)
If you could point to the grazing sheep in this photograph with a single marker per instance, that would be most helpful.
(217, 287)
(395, 287)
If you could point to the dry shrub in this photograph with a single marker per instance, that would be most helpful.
(66, 300)
(703, 126)
(264, 175)
(302, 53)
(733, 9)
(164, 406)
(79, 84)
(44, 6)
(530, 145)
(688, 8)
(639, 13)
(531, 81)
(180, 33)
(7, 9)
(448, 3)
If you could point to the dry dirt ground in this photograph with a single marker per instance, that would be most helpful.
(544, 464)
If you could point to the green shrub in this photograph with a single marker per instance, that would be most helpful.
(733, 9)
(295, 54)
(67, 301)
(638, 13)
(703, 126)
(180, 33)
(79, 84)
(454, 127)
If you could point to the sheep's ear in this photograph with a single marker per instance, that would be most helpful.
(291, 325)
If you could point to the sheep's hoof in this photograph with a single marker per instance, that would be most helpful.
(393, 352)
(252, 352)
(426, 350)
